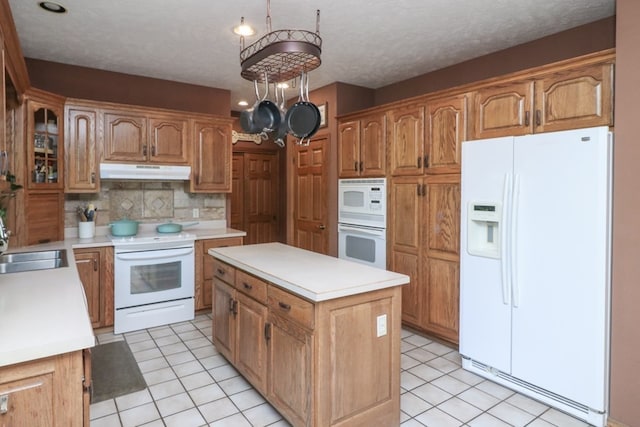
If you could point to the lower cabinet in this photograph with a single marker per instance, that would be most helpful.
(204, 268)
(95, 268)
(50, 392)
(318, 364)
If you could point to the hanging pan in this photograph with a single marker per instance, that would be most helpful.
(267, 114)
(247, 121)
(303, 118)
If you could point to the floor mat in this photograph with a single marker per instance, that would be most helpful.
(114, 371)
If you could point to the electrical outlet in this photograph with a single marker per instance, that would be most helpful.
(196, 213)
(381, 325)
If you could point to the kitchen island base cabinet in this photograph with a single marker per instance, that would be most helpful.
(44, 393)
(320, 363)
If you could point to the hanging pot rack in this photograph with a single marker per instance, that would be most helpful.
(281, 55)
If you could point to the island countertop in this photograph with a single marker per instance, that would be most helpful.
(310, 275)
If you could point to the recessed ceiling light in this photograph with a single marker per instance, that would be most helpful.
(283, 85)
(244, 29)
(50, 6)
(243, 103)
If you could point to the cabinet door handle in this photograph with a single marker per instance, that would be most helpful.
(93, 177)
(526, 118)
(231, 305)
(322, 227)
(144, 150)
(95, 264)
(361, 166)
(4, 404)
(221, 272)
(267, 331)
(284, 306)
(153, 150)
(247, 286)
(424, 189)
(426, 161)
(355, 166)
(419, 162)
(538, 117)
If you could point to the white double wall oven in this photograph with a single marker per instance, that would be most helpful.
(362, 221)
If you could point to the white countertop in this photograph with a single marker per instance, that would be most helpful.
(310, 275)
(44, 313)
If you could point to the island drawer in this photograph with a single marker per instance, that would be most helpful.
(251, 286)
(291, 306)
(224, 271)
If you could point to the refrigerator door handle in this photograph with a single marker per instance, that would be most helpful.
(504, 261)
(514, 240)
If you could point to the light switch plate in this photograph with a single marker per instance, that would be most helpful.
(381, 325)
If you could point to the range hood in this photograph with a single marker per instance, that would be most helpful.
(142, 172)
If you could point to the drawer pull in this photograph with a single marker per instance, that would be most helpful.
(247, 286)
(221, 272)
(284, 306)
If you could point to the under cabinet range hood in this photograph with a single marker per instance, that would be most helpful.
(144, 172)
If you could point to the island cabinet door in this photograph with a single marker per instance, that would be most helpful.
(251, 357)
(224, 325)
(290, 361)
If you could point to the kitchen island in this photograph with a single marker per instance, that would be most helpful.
(318, 336)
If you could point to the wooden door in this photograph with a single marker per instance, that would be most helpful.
(574, 99)
(211, 169)
(407, 204)
(290, 360)
(349, 149)
(81, 154)
(125, 137)
(88, 265)
(373, 156)
(405, 136)
(441, 259)
(251, 356)
(168, 140)
(224, 325)
(261, 197)
(237, 192)
(446, 129)
(311, 187)
(503, 110)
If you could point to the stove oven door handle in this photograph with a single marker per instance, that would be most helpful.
(157, 254)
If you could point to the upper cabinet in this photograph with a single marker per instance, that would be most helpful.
(572, 97)
(362, 146)
(44, 145)
(212, 151)
(81, 151)
(406, 140)
(138, 137)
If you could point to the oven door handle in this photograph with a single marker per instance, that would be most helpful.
(378, 233)
(159, 254)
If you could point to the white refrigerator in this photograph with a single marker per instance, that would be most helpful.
(535, 266)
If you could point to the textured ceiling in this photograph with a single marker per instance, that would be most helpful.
(366, 43)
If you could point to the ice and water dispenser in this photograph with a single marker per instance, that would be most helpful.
(484, 229)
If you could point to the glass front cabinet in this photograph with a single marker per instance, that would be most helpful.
(45, 144)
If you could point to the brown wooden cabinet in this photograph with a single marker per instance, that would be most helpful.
(406, 140)
(204, 268)
(424, 244)
(446, 128)
(239, 318)
(43, 217)
(362, 146)
(44, 145)
(81, 149)
(299, 354)
(145, 136)
(575, 96)
(95, 268)
(45, 392)
(212, 151)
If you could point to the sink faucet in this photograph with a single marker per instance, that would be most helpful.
(4, 237)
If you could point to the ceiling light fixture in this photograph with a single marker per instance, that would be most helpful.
(50, 6)
(243, 29)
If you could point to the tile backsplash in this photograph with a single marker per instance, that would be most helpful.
(144, 202)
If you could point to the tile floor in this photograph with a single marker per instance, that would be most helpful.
(191, 385)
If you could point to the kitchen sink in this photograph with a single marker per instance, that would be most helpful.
(31, 261)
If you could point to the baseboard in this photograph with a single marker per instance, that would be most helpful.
(614, 423)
